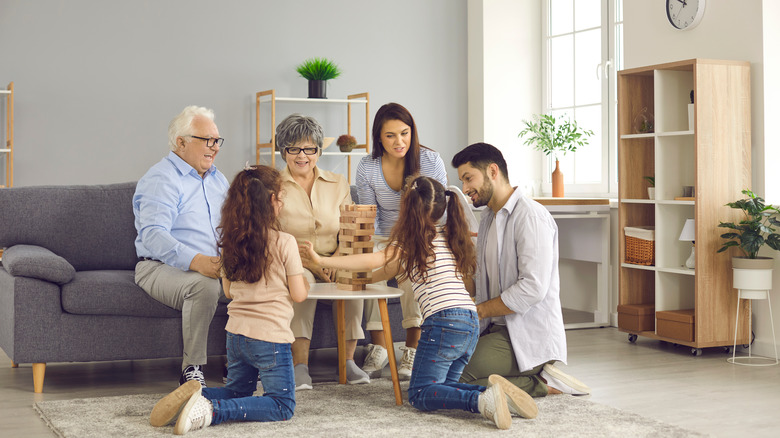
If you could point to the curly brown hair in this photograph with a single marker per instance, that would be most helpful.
(423, 203)
(248, 216)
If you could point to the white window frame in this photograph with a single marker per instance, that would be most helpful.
(612, 60)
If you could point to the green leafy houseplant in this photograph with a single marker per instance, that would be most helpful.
(651, 180)
(755, 230)
(318, 69)
(550, 135)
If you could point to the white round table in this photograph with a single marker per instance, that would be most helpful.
(329, 291)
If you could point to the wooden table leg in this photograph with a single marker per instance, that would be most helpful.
(342, 344)
(390, 350)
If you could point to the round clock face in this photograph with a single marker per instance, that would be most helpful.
(684, 14)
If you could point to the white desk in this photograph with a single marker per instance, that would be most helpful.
(583, 235)
(329, 291)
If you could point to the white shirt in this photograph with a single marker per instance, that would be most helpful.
(528, 276)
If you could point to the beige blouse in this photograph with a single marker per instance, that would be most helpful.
(315, 219)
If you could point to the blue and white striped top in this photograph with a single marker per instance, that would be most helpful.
(373, 189)
(443, 287)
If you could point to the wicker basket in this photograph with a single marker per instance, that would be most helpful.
(640, 245)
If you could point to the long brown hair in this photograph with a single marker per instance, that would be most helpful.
(248, 216)
(395, 111)
(422, 205)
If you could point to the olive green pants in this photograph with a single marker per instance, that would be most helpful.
(494, 355)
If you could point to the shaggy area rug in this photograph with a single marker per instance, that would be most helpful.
(332, 410)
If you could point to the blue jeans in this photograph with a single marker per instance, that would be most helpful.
(247, 358)
(447, 340)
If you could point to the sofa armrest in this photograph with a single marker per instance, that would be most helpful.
(37, 262)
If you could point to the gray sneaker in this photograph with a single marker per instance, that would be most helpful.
(407, 361)
(492, 405)
(376, 360)
(302, 377)
(355, 375)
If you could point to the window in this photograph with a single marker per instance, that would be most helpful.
(583, 49)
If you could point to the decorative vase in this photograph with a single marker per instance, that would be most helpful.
(317, 89)
(346, 147)
(557, 181)
(752, 276)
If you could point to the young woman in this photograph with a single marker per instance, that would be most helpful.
(263, 274)
(396, 155)
(422, 251)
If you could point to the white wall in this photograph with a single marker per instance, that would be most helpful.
(506, 87)
(98, 81)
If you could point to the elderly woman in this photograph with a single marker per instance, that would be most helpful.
(311, 212)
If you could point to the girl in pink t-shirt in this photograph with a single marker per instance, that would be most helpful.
(262, 274)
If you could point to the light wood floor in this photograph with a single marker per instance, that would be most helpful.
(649, 378)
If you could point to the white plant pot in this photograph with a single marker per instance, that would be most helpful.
(651, 193)
(752, 276)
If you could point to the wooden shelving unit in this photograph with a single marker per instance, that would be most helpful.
(714, 158)
(269, 148)
(8, 149)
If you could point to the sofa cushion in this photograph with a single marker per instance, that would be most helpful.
(111, 293)
(114, 293)
(89, 226)
(37, 262)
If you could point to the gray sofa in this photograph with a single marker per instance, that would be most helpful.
(67, 292)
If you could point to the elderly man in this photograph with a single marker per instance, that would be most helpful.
(517, 286)
(177, 206)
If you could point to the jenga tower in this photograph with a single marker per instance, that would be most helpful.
(357, 230)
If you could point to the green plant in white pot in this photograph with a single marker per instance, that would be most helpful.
(552, 135)
(749, 235)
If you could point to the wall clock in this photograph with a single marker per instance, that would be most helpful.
(684, 14)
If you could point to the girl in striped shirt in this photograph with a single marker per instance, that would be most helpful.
(423, 251)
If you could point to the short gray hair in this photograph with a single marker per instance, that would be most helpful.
(296, 128)
(181, 125)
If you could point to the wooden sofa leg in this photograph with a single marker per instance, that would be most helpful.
(39, 369)
(14, 364)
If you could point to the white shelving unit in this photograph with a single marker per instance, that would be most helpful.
(269, 148)
(8, 149)
(714, 159)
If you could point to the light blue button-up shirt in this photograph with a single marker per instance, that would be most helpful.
(177, 212)
(527, 278)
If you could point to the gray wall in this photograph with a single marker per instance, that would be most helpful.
(98, 81)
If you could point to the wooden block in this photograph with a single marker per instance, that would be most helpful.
(348, 251)
(356, 220)
(350, 286)
(357, 226)
(357, 243)
(350, 232)
(346, 238)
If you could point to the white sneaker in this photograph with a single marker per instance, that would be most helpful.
(355, 375)
(302, 377)
(563, 382)
(407, 361)
(376, 360)
(195, 415)
(519, 402)
(492, 405)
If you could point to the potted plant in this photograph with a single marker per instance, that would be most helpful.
(752, 272)
(651, 189)
(318, 71)
(346, 143)
(552, 136)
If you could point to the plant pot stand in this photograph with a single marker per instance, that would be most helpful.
(752, 284)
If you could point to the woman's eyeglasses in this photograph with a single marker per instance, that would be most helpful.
(297, 150)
